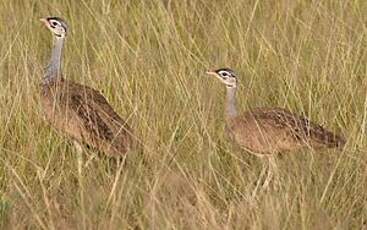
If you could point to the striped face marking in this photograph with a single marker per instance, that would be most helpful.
(56, 25)
(227, 76)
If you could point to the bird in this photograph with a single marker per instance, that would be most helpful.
(265, 132)
(79, 111)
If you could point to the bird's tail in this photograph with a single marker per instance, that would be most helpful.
(329, 139)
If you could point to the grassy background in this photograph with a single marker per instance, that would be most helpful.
(149, 58)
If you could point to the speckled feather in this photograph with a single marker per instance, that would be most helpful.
(85, 115)
(271, 130)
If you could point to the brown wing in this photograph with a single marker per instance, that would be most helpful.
(91, 119)
(101, 126)
(300, 128)
(84, 114)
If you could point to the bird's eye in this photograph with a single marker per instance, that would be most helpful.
(54, 23)
(224, 74)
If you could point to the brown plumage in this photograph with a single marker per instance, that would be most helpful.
(84, 114)
(79, 111)
(274, 130)
(265, 131)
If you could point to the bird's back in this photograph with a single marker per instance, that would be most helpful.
(271, 130)
(84, 114)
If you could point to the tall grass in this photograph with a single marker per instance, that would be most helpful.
(149, 59)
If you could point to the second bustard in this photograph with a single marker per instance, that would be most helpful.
(78, 110)
(265, 131)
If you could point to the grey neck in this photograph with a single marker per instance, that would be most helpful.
(231, 110)
(53, 70)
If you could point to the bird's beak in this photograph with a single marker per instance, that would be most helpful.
(44, 20)
(210, 72)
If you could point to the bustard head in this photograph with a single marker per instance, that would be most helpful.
(225, 75)
(56, 25)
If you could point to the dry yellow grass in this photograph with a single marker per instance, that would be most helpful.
(149, 59)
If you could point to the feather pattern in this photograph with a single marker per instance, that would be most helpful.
(269, 130)
(84, 114)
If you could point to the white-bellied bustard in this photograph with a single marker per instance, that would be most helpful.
(79, 111)
(266, 131)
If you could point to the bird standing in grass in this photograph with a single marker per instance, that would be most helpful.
(79, 111)
(266, 131)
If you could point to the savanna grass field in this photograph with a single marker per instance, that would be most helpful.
(149, 60)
